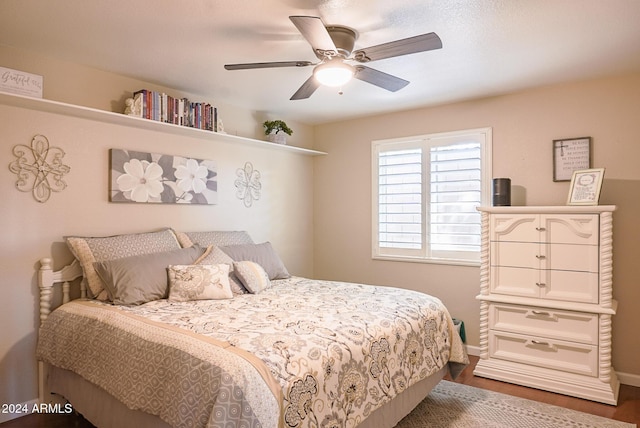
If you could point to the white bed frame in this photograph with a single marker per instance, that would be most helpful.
(84, 396)
(47, 279)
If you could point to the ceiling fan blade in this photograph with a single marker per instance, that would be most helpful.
(379, 78)
(267, 65)
(421, 43)
(306, 90)
(314, 30)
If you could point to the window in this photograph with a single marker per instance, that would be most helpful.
(425, 193)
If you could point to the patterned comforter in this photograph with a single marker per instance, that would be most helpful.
(303, 353)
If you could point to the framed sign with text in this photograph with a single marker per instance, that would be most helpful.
(20, 83)
(570, 155)
(585, 187)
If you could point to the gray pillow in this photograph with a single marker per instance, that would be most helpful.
(89, 250)
(263, 254)
(214, 237)
(140, 279)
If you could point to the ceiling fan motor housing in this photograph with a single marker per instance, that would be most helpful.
(343, 37)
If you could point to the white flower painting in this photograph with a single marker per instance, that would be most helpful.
(156, 178)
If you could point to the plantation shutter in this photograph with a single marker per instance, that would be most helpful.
(455, 192)
(425, 194)
(400, 199)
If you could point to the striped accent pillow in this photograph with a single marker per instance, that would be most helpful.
(252, 275)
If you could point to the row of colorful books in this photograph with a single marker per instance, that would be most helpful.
(161, 107)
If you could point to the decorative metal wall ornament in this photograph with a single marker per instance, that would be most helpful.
(248, 184)
(162, 179)
(39, 168)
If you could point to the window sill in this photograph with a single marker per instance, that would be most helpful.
(470, 263)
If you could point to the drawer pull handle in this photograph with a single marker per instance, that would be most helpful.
(538, 342)
(541, 284)
(541, 257)
(541, 229)
(541, 313)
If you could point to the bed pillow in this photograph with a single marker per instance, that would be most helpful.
(213, 256)
(263, 254)
(199, 282)
(140, 279)
(89, 250)
(215, 237)
(252, 275)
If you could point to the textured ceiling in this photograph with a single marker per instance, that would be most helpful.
(490, 47)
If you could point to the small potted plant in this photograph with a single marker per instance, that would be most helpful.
(276, 130)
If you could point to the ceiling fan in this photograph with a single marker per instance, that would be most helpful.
(333, 45)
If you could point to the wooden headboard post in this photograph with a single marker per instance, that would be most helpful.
(47, 278)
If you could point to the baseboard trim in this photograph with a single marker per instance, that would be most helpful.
(629, 379)
(473, 350)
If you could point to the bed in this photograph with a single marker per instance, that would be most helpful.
(147, 345)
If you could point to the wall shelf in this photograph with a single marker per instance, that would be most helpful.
(57, 107)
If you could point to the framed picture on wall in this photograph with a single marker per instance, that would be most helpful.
(585, 187)
(570, 155)
(142, 177)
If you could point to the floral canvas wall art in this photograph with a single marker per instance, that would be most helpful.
(156, 178)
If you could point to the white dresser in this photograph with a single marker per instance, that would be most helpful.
(546, 299)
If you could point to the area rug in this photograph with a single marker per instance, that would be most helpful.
(453, 405)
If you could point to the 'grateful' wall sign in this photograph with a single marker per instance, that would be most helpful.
(20, 83)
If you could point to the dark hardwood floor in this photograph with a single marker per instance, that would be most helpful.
(627, 410)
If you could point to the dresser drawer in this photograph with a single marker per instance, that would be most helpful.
(543, 352)
(570, 286)
(584, 258)
(541, 322)
(565, 285)
(582, 229)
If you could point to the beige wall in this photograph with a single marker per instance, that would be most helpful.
(32, 230)
(524, 125)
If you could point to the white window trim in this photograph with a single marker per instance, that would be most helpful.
(487, 174)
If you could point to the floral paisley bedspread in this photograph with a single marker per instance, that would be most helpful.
(335, 351)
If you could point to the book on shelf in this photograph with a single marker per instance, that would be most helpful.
(161, 107)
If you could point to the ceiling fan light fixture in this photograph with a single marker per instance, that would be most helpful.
(333, 73)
